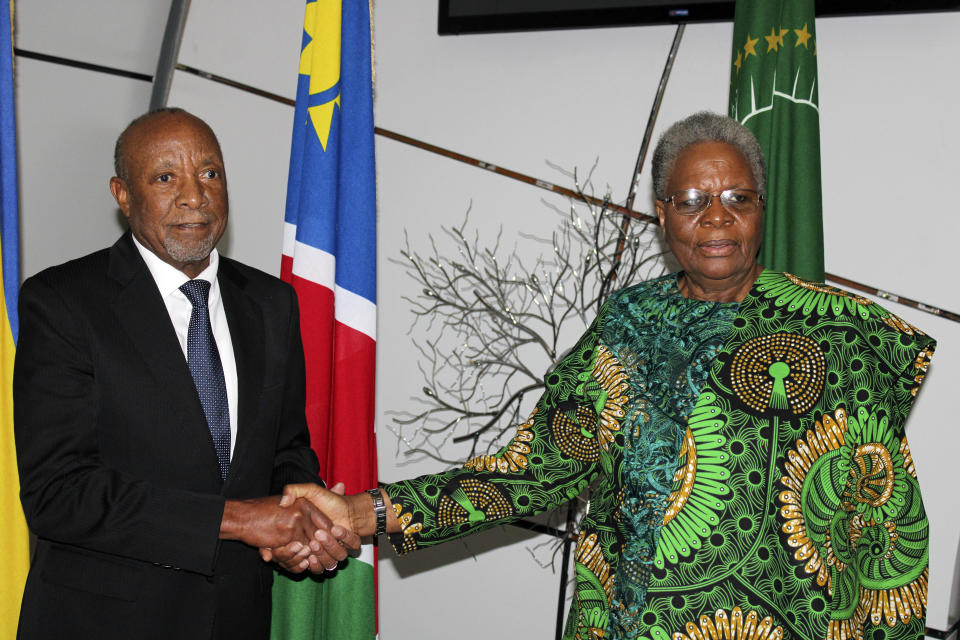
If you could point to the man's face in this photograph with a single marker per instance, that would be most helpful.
(175, 194)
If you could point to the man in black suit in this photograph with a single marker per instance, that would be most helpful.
(152, 426)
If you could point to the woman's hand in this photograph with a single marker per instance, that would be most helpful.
(332, 540)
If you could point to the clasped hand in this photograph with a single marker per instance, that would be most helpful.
(291, 531)
(336, 534)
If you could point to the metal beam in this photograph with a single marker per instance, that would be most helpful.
(169, 51)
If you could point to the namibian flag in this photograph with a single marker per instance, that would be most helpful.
(14, 539)
(330, 256)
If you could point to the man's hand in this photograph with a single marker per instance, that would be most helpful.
(262, 522)
(334, 539)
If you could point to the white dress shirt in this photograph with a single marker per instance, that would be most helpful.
(169, 279)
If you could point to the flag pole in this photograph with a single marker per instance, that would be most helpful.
(565, 570)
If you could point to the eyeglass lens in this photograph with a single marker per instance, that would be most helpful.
(692, 201)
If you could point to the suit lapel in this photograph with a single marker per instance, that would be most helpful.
(143, 316)
(247, 335)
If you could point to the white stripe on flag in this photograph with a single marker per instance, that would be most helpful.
(314, 265)
(356, 312)
(289, 238)
(319, 267)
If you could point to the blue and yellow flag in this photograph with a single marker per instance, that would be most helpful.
(14, 539)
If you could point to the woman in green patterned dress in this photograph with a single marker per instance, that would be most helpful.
(743, 431)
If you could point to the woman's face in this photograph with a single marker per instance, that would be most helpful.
(715, 247)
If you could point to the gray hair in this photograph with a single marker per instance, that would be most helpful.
(705, 126)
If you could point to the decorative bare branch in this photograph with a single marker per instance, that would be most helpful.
(494, 319)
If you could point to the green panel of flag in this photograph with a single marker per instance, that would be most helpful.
(774, 92)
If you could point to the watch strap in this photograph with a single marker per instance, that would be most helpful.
(380, 510)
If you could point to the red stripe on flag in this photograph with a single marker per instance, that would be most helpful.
(286, 267)
(316, 329)
(353, 460)
(341, 369)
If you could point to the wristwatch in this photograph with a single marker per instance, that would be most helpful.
(380, 509)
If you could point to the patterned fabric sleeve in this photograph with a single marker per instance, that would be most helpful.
(555, 454)
(879, 535)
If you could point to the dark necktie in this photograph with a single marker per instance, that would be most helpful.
(203, 358)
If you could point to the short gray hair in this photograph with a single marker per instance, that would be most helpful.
(705, 126)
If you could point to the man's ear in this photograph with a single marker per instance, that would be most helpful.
(121, 194)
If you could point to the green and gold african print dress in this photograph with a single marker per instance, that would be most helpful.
(751, 477)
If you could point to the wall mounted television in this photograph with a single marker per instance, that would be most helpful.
(488, 16)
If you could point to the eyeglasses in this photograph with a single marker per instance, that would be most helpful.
(691, 202)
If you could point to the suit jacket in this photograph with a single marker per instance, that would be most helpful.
(118, 472)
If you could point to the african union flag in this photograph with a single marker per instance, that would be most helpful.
(14, 539)
(330, 256)
(774, 92)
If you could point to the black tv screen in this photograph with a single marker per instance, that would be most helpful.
(485, 16)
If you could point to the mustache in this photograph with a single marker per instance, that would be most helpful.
(194, 217)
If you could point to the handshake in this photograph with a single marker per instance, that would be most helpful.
(308, 527)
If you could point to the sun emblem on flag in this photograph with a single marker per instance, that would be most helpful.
(320, 59)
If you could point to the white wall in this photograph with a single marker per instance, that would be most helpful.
(68, 119)
(517, 100)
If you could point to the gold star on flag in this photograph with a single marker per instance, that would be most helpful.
(802, 36)
(775, 41)
(738, 62)
(748, 49)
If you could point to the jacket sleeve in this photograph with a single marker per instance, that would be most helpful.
(568, 440)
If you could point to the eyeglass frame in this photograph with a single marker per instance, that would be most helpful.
(759, 204)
